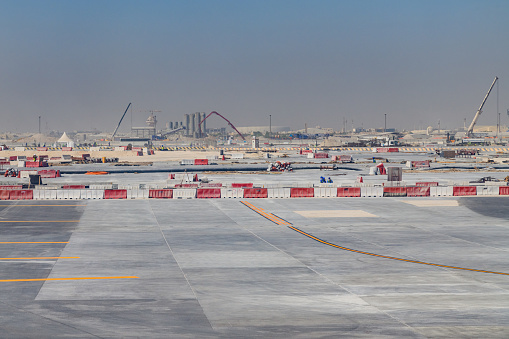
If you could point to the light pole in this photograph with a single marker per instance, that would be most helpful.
(385, 122)
(270, 125)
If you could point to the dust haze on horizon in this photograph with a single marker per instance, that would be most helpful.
(77, 64)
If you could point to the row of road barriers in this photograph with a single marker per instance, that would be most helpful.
(253, 192)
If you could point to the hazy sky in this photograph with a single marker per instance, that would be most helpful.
(79, 63)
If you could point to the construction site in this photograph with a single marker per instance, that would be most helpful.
(264, 232)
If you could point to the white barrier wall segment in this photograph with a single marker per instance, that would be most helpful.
(326, 192)
(37, 194)
(372, 192)
(235, 193)
(101, 187)
(50, 194)
(60, 194)
(441, 191)
(487, 190)
(184, 193)
(286, 192)
(136, 193)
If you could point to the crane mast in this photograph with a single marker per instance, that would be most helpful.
(479, 111)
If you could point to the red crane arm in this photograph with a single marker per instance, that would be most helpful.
(229, 123)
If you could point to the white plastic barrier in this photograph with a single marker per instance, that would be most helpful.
(92, 194)
(326, 192)
(68, 194)
(487, 190)
(184, 193)
(372, 192)
(276, 193)
(37, 194)
(227, 193)
(101, 187)
(441, 191)
(49, 194)
(136, 193)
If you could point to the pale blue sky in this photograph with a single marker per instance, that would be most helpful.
(79, 63)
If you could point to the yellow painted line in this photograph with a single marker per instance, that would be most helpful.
(269, 216)
(34, 242)
(42, 205)
(39, 258)
(79, 278)
(39, 220)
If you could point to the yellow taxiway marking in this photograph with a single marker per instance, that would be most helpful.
(34, 242)
(78, 278)
(39, 258)
(39, 220)
(275, 219)
(42, 205)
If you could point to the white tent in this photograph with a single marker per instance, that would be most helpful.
(64, 139)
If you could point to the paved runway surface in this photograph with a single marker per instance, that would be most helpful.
(262, 268)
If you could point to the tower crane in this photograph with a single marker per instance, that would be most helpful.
(479, 111)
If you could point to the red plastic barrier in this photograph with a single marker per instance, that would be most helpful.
(11, 187)
(321, 155)
(115, 194)
(464, 190)
(302, 192)
(212, 184)
(394, 191)
(418, 191)
(349, 191)
(205, 193)
(160, 194)
(48, 173)
(42, 149)
(201, 161)
(425, 183)
(247, 185)
(4, 194)
(503, 190)
(66, 149)
(36, 164)
(73, 187)
(21, 195)
(256, 193)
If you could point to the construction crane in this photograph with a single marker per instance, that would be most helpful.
(479, 111)
(116, 129)
(229, 123)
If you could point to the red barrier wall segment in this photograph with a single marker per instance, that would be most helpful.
(115, 194)
(240, 185)
(206, 193)
(4, 194)
(349, 191)
(161, 194)
(73, 187)
(503, 190)
(302, 192)
(394, 191)
(11, 187)
(201, 161)
(21, 195)
(464, 190)
(256, 193)
(418, 191)
(429, 184)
